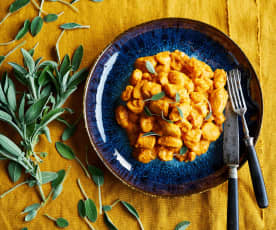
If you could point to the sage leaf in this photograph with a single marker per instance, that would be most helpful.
(15, 171)
(65, 65)
(23, 31)
(47, 177)
(177, 97)
(57, 191)
(36, 26)
(183, 150)
(133, 211)
(97, 175)
(21, 109)
(96, 0)
(30, 216)
(90, 210)
(147, 111)
(24, 228)
(72, 25)
(182, 226)
(150, 67)
(18, 68)
(77, 78)
(210, 111)
(81, 208)
(163, 117)
(74, 1)
(156, 97)
(150, 134)
(68, 132)
(31, 208)
(43, 78)
(109, 223)
(2, 59)
(59, 179)
(18, 4)
(51, 116)
(28, 60)
(11, 95)
(180, 112)
(107, 208)
(62, 223)
(9, 146)
(5, 116)
(77, 57)
(35, 110)
(65, 151)
(50, 17)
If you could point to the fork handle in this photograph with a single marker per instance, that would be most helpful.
(256, 174)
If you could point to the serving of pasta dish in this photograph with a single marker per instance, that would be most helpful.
(173, 107)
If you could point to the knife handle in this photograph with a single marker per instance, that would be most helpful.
(256, 174)
(233, 200)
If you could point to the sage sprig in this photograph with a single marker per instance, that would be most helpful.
(182, 225)
(60, 222)
(52, 17)
(210, 111)
(73, 25)
(98, 178)
(156, 97)
(150, 134)
(87, 208)
(15, 6)
(165, 119)
(66, 152)
(21, 33)
(133, 212)
(150, 67)
(57, 184)
(36, 26)
(70, 129)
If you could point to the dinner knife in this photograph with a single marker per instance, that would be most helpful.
(231, 159)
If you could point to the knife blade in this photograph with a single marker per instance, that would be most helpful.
(231, 159)
(231, 137)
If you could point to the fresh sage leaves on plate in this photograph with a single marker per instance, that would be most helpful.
(150, 67)
(156, 97)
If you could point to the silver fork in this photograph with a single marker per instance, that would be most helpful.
(239, 107)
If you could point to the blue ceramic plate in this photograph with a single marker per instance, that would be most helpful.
(110, 75)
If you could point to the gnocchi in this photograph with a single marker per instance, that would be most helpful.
(175, 111)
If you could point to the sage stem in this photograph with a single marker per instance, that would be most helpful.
(7, 43)
(81, 188)
(38, 7)
(15, 48)
(140, 224)
(57, 45)
(116, 202)
(88, 223)
(13, 188)
(49, 217)
(4, 19)
(83, 167)
(100, 199)
(69, 5)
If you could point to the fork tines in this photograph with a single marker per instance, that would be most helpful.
(235, 91)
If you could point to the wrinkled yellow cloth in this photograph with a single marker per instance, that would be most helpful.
(250, 23)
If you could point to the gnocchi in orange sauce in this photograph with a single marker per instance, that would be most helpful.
(174, 107)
